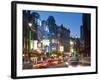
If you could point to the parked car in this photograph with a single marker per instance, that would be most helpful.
(74, 61)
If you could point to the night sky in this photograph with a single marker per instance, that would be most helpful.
(73, 21)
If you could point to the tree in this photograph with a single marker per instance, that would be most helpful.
(76, 54)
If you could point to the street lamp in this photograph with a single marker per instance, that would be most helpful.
(30, 36)
(53, 41)
(71, 50)
(71, 43)
(71, 47)
(30, 24)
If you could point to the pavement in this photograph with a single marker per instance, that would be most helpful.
(60, 65)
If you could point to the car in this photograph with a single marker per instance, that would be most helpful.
(73, 61)
(52, 62)
(40, 64)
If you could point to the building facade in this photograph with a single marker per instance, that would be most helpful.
(86, 35)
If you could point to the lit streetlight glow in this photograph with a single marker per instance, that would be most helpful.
(71, 42)
(30, 24)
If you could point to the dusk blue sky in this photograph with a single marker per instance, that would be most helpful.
(73, 21)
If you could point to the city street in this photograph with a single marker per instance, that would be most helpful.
(29, 66)
(59, 65)
(49, 45)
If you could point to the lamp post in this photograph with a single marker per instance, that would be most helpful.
(30, 24)
(71, 46)
(27, 55)
(30, 36)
